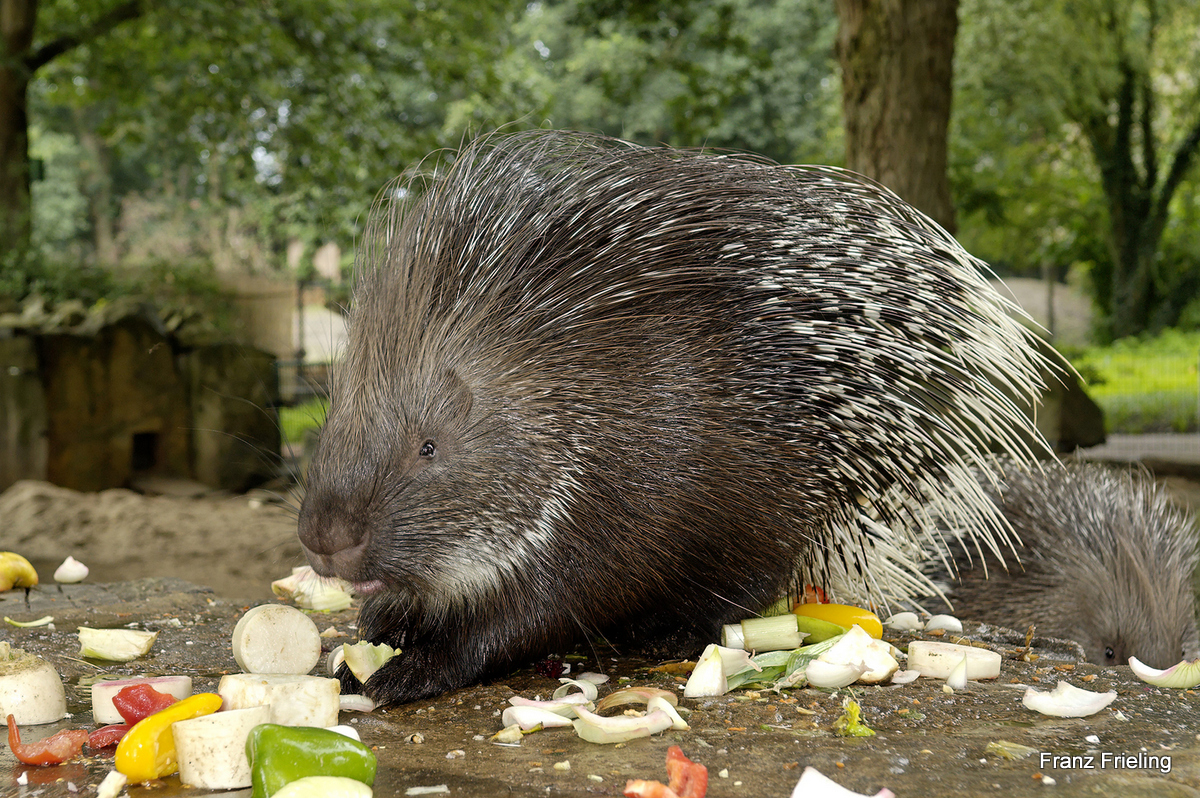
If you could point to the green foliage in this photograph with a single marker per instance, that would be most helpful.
(1145, 384)
(296, 422)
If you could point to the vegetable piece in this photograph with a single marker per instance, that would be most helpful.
(938, 660)
(849, 723)
(774, 633)
(633, 695)
(957, 678)
(945, 622)
(282, 754)
(832, 675)
(1181, 675)
(30, 688)
(530, 718)
(324, 787)
(364, 658)
(275, 638)
(70, 572)
(687, 778)
(843, 615)
(112, 785)
(212, 748)
(856, 647)
(115, 645)
(54, 750)
(312, 591)
(905, 622)
(148, 750)
(138, 701)
(708, 677)
(103, 693)
(814, 784)
(45, 620)
(16, 571)
(107, 735)
(1067, 701)
(294, 700)
(597, 729)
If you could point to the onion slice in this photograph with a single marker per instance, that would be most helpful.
(1183, 675)
(1067, 701)
(620, 729)
(815, 784)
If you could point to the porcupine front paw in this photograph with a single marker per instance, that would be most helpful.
(408, 676)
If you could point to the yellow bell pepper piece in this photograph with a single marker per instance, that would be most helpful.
(843, 615)
(147, 751)
(16, 571)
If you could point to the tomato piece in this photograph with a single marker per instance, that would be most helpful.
(55, 750)
(686, 778)
(843, 615)
(107, 735)
(138, 701)
(641, 788)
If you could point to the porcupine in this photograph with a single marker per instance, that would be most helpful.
(595, 388)
(1105, 558)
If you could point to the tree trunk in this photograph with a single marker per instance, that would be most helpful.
(16, 38)
(896, 58)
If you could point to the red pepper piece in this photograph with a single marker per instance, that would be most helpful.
(686, 778)
(139, 701)
(54, 750)
(107, 735)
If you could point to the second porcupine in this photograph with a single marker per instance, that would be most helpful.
(593, 388)
(1105, 559)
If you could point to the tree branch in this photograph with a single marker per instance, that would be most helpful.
(1181, 162)
(123, 12)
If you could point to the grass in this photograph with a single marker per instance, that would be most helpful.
(296, 421)
(1145, 384)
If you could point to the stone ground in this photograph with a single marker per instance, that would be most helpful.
(927, 742)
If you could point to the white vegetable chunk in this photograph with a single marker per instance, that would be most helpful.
(70, 572)
(295, 700)
(211, 749)
(938, 660)
(30, 689)
(1067, 701)
(275, 638)
(115, 645)
(103, 710)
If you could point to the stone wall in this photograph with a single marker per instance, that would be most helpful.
(90, 407)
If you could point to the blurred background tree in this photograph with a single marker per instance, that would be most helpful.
(215, 133)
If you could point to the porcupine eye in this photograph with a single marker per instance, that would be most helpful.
(428, 449)
(1109, 654)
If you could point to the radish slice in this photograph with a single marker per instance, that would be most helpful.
(938, 660)
(115, 645)
(30, 689)
(103, 711)
(295, 700)
(275, 638)
(1183, 675)
(1067, 701)
(211, 749)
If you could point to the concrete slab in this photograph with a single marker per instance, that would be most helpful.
(755, 745)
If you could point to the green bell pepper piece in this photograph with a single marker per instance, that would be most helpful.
(281, 754)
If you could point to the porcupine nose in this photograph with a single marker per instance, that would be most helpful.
(334, 546)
